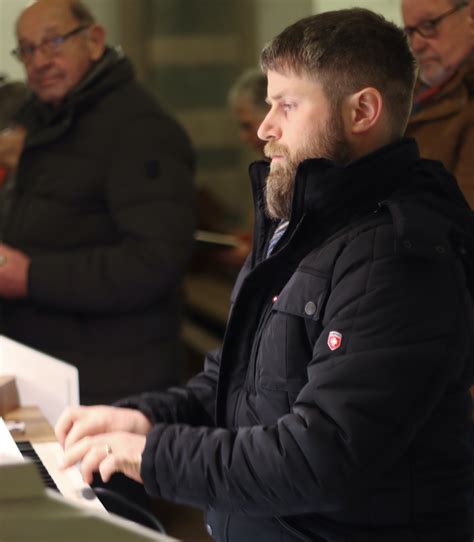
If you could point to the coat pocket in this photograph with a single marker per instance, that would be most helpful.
(288, 338)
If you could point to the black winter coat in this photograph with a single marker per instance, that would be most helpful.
(339, 407)
(104, 206)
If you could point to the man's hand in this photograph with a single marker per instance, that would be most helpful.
(14, 267)
(75, 423)
(11, 146)
(107, 453)
(103, 438)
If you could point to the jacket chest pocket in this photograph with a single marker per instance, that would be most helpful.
(287, 338)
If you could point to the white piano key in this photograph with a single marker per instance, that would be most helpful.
(69, 482)
(8, 448)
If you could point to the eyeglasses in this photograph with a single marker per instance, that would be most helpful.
(429, 28)
(49, 46)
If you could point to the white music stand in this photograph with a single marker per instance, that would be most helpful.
(41, 380)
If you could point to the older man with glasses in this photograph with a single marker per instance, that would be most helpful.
(100, 222)
(442, 120)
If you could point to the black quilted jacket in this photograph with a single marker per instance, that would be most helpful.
(103, 205)
(338, 408)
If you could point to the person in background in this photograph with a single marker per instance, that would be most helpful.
(442, 121)
(338, 407)
(12, 95)
(247, 101)
(101, 219)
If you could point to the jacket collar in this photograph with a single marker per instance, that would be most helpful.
(109, 71)
(327, 196)
(323, 188)
(46, 123)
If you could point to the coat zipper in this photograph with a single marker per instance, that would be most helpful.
(252, 367)
(256, 347)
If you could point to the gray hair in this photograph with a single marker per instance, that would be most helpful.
(251, 85)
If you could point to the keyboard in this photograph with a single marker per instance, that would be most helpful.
(47, 456)
(28, 452)
(69, 483)
(27, 509)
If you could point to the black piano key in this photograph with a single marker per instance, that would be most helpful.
(28, 451)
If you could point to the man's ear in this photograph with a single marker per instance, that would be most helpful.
(96, 41)
(363, 110)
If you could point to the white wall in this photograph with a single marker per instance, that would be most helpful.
(104, 10)
(272, 16)
(9, 11)
(106, 13)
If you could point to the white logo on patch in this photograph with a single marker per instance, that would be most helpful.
(334, 340)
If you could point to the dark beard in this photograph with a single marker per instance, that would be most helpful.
(331, 144)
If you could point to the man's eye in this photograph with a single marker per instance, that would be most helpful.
(26, 50)
(287, 107)
(55, 41)
(427, 27)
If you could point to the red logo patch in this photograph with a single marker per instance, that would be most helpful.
(334, 340)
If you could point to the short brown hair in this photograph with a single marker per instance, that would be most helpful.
(348, 50)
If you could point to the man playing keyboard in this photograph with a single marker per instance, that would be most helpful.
(338, 407)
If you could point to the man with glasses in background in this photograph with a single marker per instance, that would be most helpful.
(99, 226)
(442, 120)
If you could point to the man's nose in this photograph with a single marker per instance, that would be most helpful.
(269, 128)
(39, 58)
(417, 42)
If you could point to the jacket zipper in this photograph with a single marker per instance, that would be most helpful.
(250, 378)
(256, 347)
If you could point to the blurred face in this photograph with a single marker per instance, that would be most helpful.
(249, 119)
(52, 74)
(438, 56)
(301, 124)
